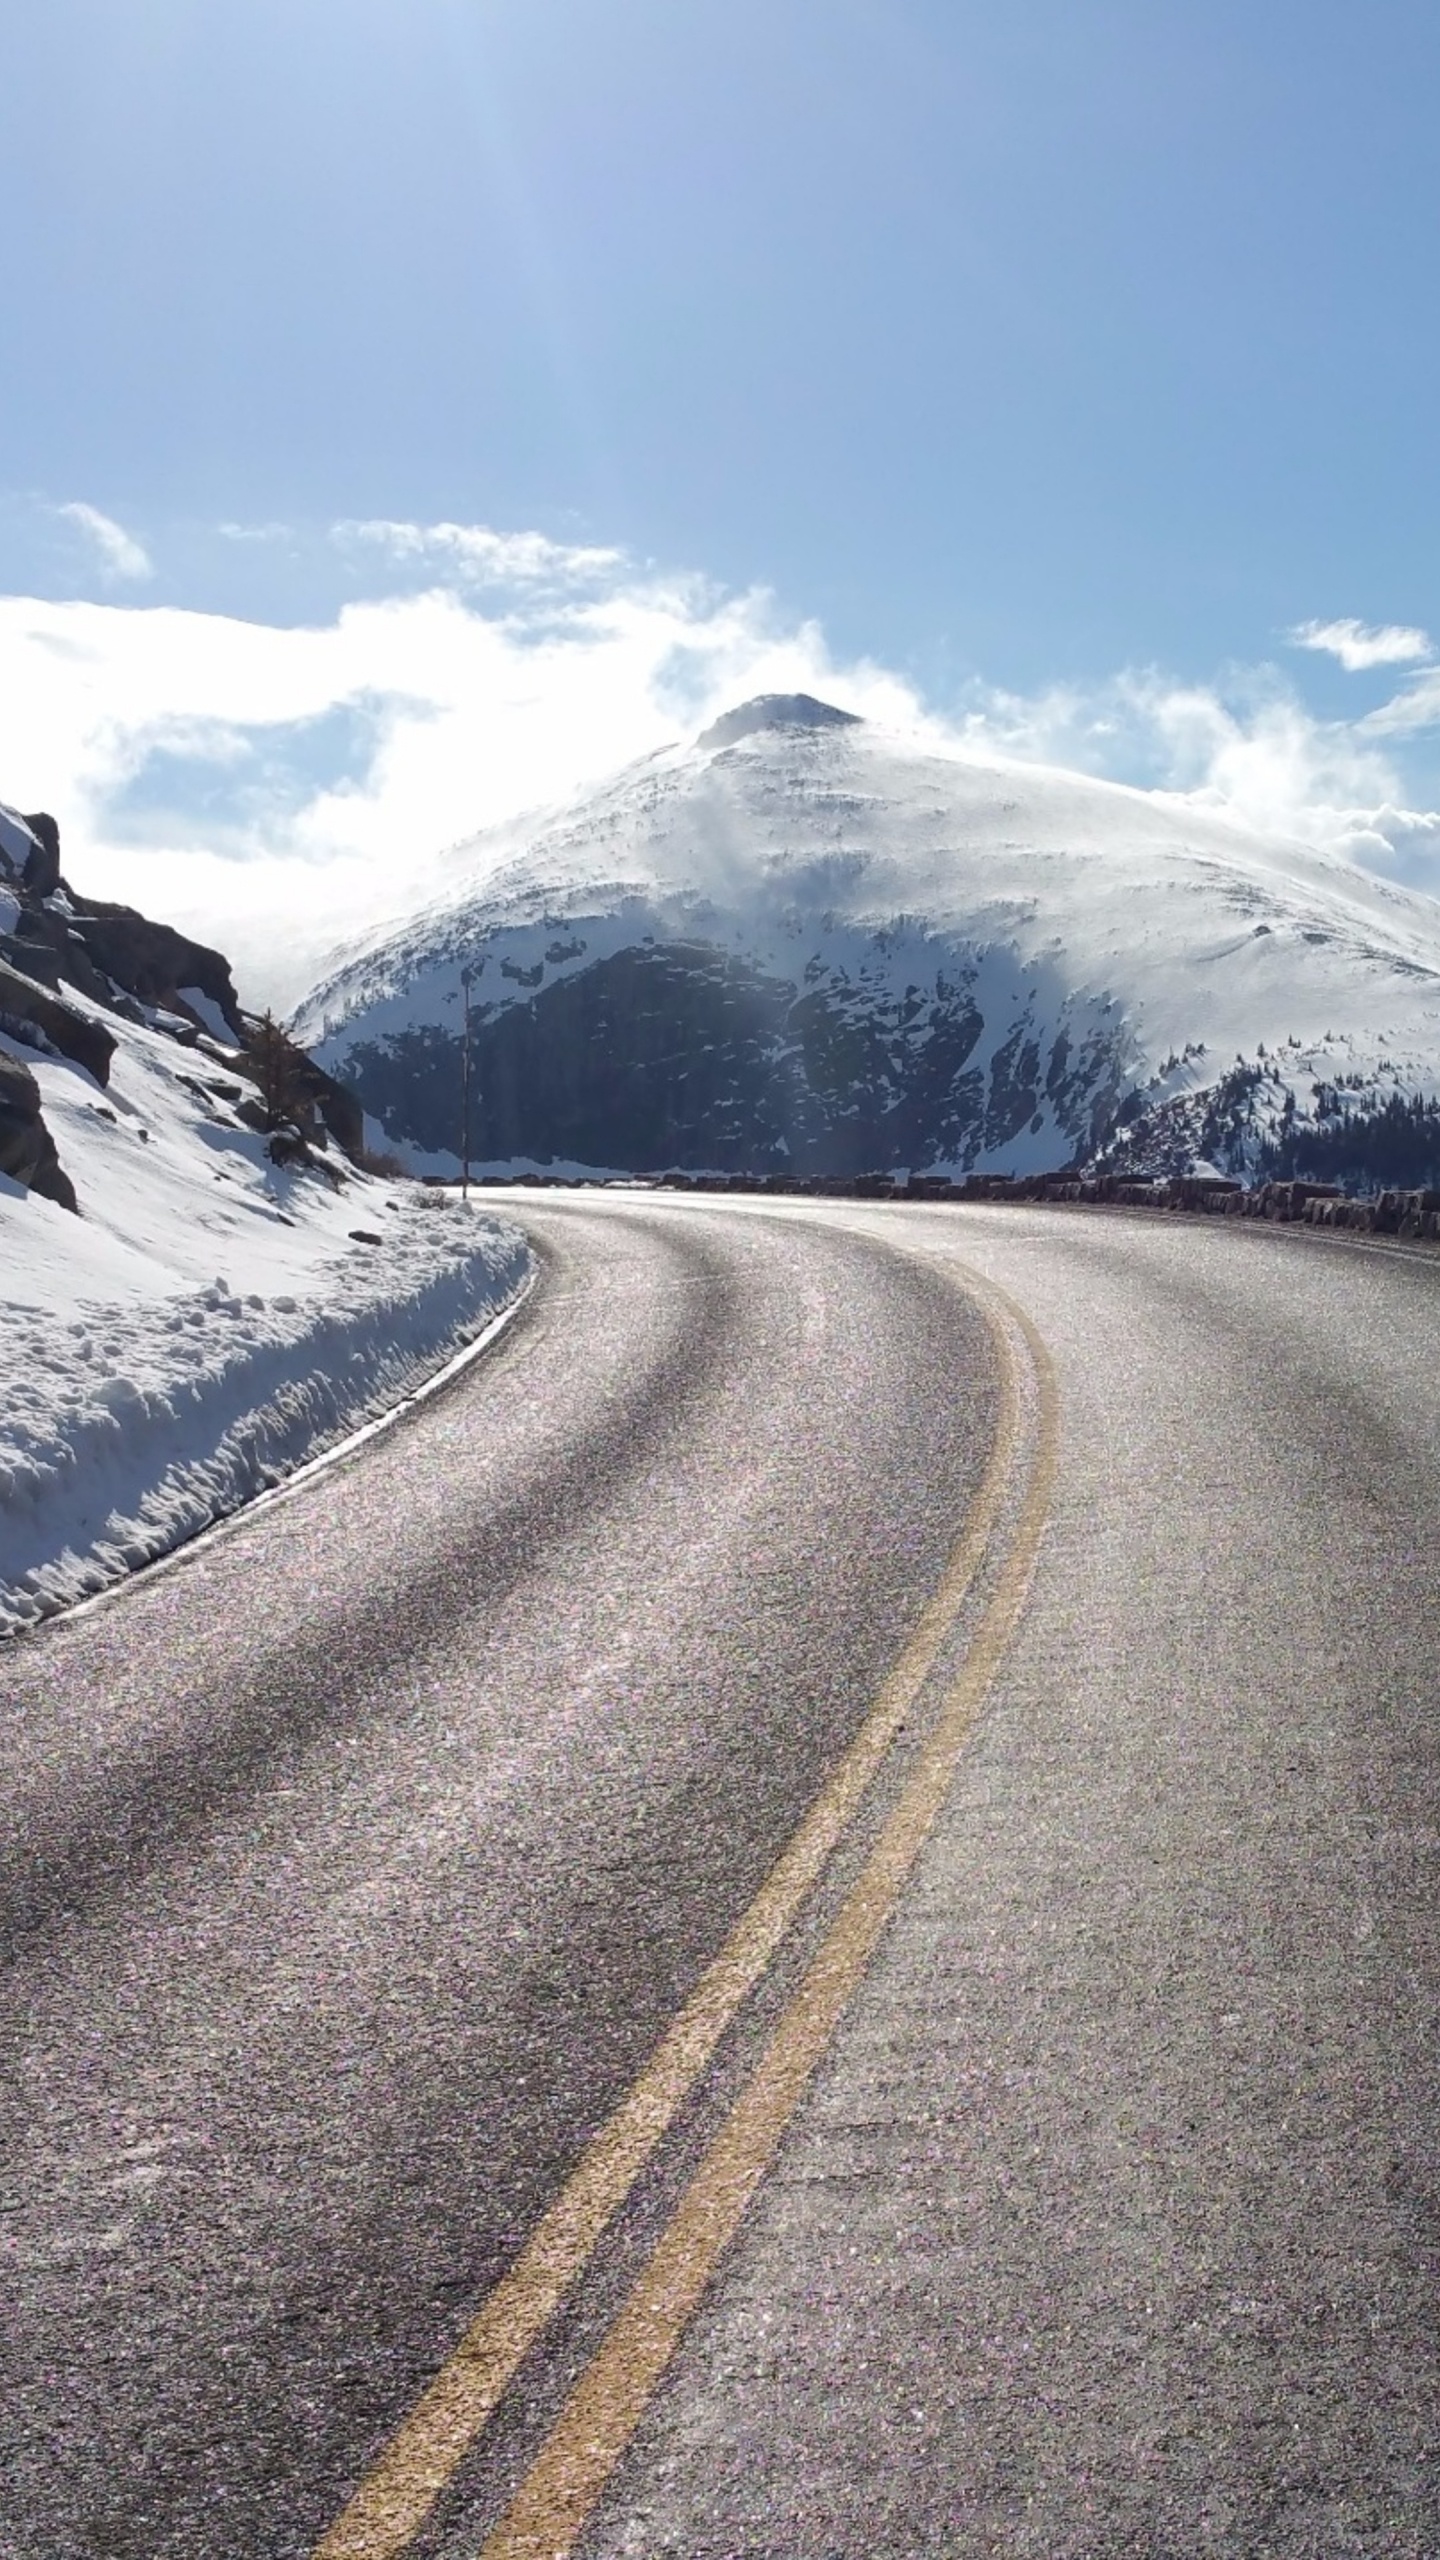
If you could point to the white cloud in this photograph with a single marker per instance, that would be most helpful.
(277, 788)
(479, 554)
(1254, 747)
(119, 555)
(1359, 645)
(256, 532)
(461, 717)
(1253, 750)
(1408, 713)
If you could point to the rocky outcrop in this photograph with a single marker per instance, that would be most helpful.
(34, 1016)
(326, 1105)
(108, 952)
(295, 1097)
(42, 863)
(668, 1054)
(152, 962)
(27, 1150)
(27, 1008)
(54, 943)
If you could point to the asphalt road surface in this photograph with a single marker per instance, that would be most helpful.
(1047, 2157)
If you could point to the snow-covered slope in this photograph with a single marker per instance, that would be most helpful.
(205, 1318)
(208, 1322)
(808, 942)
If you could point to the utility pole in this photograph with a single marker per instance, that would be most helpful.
(466, 974)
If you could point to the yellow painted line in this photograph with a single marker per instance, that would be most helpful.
(396, 2496)
(549, 2509)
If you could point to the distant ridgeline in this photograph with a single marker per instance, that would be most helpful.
(1394, 1144)
(1251, 1125)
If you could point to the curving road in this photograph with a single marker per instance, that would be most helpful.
(354, 1869)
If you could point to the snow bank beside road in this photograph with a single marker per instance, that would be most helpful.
(208, 1323)
(129, 1428)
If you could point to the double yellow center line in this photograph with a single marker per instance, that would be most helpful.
(550, 2507)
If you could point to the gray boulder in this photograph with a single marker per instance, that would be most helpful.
(27, 1150)
(42, 864)
(26, 1005)
(152, 962)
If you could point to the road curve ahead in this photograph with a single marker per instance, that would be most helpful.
(800, 1920)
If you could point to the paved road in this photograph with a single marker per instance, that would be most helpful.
(355, 1868)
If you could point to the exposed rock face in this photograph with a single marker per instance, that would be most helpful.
(685, 1055)
(293, 1092)
(333, 1106)
(27, 1150)
(42, 865)
(26, 1007)
(108, 952)
(54, 941)
(775, 711)
(153, 962)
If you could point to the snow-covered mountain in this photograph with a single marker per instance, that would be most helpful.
(805, 943)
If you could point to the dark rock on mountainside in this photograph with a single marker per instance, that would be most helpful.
(27, 1150)
(42, 863)
(293, 1091)
(108, 952)
(775, 711)
(28, 1008)
(61, 944)
(686, 1056)
(341, 1111)
(152, 962)
(331, 1106)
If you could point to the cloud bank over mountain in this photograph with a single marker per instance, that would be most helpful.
(277, 785)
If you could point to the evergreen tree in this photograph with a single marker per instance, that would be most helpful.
(279, 1066)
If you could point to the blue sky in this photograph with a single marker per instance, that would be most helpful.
(1059, 361)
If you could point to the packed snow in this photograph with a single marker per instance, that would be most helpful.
(209, 1322)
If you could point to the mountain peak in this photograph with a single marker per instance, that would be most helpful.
(831, 954)
(776, 711)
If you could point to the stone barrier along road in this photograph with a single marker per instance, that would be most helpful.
(1413, 1214)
